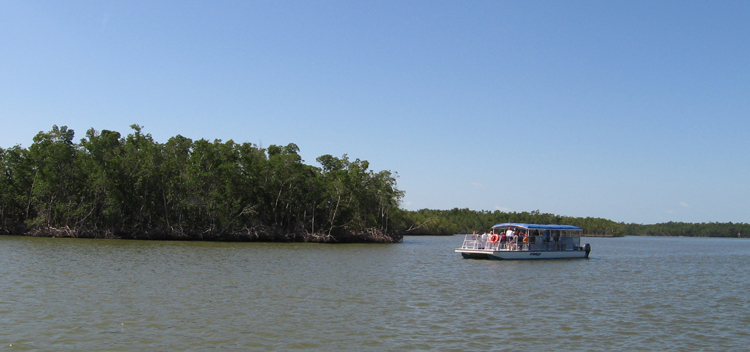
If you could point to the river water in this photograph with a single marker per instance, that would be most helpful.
(635, 293)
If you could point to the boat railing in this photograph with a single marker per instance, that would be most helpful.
(471, 242)
(476, 242)
(535, 243)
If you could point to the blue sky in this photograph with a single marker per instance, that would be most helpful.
(635, 111)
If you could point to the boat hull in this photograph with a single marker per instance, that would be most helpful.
(521, 255)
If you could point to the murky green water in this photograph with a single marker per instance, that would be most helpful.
(647, 294)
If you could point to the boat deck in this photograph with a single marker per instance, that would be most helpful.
(557, 244)
(537, 243)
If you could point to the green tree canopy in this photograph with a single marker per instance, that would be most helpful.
(110, 185)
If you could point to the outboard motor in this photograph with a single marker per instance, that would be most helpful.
(587, 248)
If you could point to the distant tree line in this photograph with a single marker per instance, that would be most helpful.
(711, 229)
(446, 222)
(113, 186)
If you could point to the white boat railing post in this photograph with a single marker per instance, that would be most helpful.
(470, 242)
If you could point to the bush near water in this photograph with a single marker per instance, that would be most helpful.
(110, 186)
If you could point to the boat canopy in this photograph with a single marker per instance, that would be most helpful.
(539, 227)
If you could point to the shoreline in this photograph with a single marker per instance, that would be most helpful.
(254, 234)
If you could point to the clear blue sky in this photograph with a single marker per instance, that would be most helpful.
(635, 111)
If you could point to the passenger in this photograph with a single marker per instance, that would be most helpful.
(527, 240)
(511, 238)
(484, 240)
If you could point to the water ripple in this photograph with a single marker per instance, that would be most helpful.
(646, 294)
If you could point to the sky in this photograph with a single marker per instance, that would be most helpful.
(634, 111)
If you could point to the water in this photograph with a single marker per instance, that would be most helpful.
(635, 293)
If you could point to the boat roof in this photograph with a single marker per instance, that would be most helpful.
(538, 226)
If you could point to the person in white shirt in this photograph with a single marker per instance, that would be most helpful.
(509, 238)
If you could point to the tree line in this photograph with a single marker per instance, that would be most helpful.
(113, 186)
(446, 222)
(711, 229)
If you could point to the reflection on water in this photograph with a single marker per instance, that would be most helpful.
(633, 294)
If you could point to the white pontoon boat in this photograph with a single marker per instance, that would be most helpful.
(526, 241)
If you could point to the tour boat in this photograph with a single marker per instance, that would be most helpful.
(526, 241)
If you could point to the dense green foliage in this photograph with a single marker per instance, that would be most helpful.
(713, 229)
(444, 222)
(427, 221)
(134, 187)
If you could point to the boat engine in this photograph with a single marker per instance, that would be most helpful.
(587, 248)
